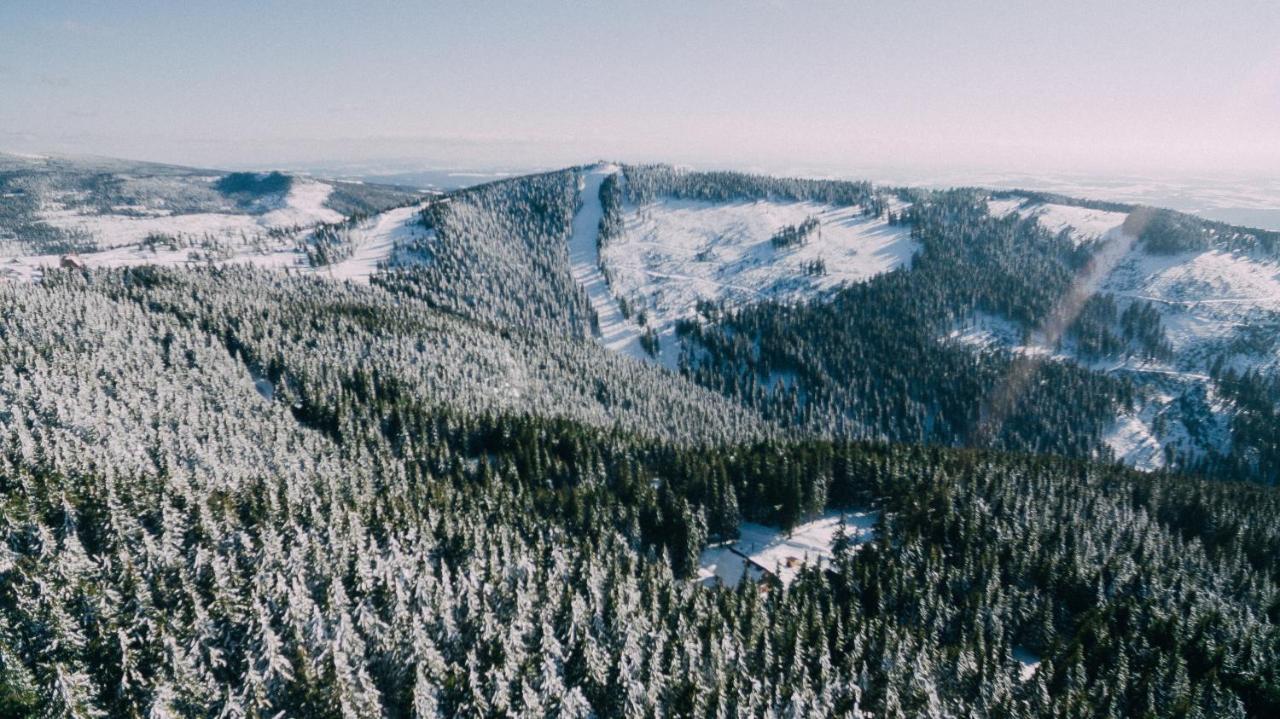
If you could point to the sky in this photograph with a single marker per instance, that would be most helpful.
(1161, 86)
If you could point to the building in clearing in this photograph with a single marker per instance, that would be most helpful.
(71, 262)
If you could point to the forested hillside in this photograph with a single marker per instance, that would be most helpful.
(360, 548)
(1073, 346)
(244, 492)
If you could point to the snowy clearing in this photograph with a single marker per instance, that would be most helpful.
(766, 551)
(1206, 301)
(986, 330)
(1084, 223)
(1130, 437)
(303, 206)
(373, 241)
(1204, 298)
(673, 253)
(1028, 662)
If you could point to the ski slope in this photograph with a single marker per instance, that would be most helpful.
(616, 332)
(375, 242)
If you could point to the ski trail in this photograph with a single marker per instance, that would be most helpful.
(375, 244)
(617, 333)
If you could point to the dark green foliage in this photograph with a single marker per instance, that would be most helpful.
(254, 184)
(351, 199)
(794, 235)
(499, 254)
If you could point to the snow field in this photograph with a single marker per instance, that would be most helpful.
(673, 253)
(1084, 223)
(303, 206)
(374, 241)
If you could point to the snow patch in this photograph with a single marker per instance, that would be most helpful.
(986, 330)
(303, 206)
(1028, 662)
(1134, 443)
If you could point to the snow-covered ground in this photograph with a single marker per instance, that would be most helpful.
(303, 206)
(1084, 224)
(762, 550)
(1131, 438)
(1028, 662)
(1205, 300)
(673, 253)
(374, 242)
(616, 332)
(986, 330)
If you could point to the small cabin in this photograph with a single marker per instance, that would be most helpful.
(71, 262)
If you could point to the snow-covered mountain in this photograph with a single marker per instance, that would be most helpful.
(114, 213)
(591, 443)
(645, 256)
(1218, 307)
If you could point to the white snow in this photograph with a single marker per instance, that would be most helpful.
(1002, 207)
(1028, 662)
(1132, 440)
(986, 330)
(616, 332)
(673, 253)
(374, 241)
(303, 206)
(1084, 223)
(762, 550)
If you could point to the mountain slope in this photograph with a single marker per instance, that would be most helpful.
(115, 212)
(239, 491)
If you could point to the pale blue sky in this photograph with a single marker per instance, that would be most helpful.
(1019, 86)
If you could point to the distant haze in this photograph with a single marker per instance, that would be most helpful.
(927, 87)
